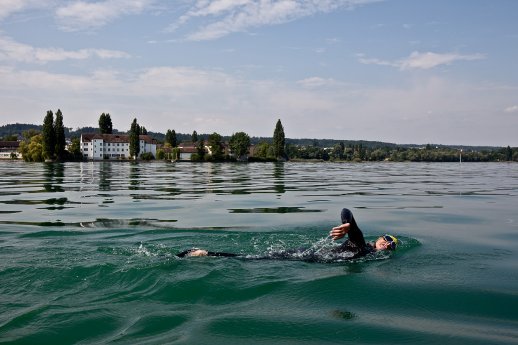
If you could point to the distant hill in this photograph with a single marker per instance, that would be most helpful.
(19, 128)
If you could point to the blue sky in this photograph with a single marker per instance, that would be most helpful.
(401, 71)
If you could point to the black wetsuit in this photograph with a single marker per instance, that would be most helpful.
(354, 247)
(355, 244)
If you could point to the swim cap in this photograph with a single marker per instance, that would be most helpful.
(394, 241)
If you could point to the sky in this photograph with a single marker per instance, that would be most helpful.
(398, 71)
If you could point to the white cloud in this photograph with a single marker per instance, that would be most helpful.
(80, 15)
(427, 60)
(185, 81)
(13, 51)
(315, 82)
(8, 7)
(229, 16)
(369, 61)
(511, 109)
(186, 99)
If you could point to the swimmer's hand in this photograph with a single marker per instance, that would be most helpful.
(339, 231)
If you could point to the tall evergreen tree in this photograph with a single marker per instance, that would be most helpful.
(134, 146)
(49, 136)
(59, 131)
(170, 138)
(194, 137)
(279, 141)
(143, 130)
(105, 124)
(174, 141)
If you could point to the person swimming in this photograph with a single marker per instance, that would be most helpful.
(354, 247)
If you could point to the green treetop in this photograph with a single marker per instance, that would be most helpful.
(170, 138)
(279, 141)
(49, 137)
(31, 147)
(200, 150)
(105, 124)
(239, 144)
(59, 132)
(216, 146)
(134, 146)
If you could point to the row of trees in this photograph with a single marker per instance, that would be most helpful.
(239, 145)
(53, 136)
(50, 143)
(360, 153)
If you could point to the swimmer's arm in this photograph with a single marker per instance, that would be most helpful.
(339, 231)
(203, 252)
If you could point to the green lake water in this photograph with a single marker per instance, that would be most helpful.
(87, 253)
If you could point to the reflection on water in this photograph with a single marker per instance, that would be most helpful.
(105, 176)
(233, 194)
(91, 246)
(278, 177)
(134, 176)
(54, 173)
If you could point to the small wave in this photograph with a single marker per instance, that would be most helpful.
(322, 251)
(273, 210)
(117, 223)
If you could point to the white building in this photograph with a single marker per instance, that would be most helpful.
(113, 146)
(9, 150)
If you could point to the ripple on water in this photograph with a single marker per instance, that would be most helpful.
(74, 272)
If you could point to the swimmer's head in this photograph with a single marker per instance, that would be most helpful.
(386, 242)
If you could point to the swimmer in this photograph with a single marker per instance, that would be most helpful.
(355, 246)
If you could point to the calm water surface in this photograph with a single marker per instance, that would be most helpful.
(87, 254)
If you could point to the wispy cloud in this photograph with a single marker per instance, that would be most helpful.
(80, 15)
(315, 82)
(370, 61)
(8, 7)
(427, 60)
(224, 17)
(211, 100)
(13, 51)
(511, 109)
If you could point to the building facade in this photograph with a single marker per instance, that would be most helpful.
(113, 146)
(9, 150)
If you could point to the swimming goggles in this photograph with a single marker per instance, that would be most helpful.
(391, 242)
